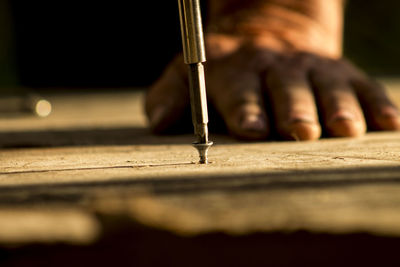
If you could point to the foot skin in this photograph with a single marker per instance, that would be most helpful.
(277, 68)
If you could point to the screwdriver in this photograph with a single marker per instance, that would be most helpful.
(194, 55)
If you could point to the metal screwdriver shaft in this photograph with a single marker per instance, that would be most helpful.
(194, 56)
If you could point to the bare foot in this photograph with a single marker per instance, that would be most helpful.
(275, 66)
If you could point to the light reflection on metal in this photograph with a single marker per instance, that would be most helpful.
(194, 56)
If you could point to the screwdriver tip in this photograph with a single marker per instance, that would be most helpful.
(202, 148)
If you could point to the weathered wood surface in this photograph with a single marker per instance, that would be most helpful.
(93, 158)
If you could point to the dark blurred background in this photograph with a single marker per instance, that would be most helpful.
(128, 43)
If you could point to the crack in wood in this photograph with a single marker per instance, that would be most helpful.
(99, 168)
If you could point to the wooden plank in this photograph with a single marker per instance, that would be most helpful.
(334, 186)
